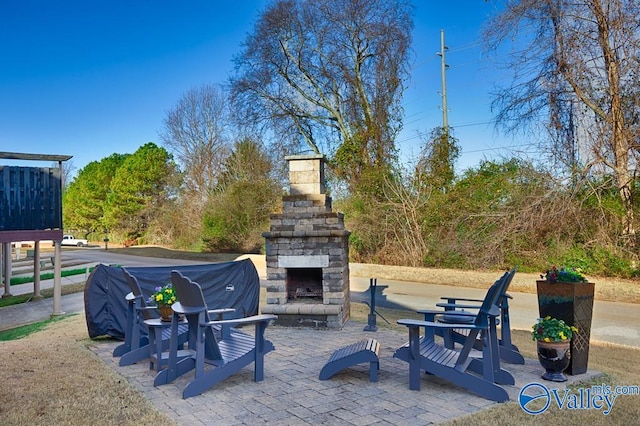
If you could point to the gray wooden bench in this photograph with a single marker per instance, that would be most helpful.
(363, 351)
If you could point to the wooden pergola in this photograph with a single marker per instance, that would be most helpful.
(21, 207)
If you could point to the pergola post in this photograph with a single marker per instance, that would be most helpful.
(57, 284)
(6, 266)
(36, 271)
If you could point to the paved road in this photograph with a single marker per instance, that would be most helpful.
(34, 311)
(99, 255)
(613, 322)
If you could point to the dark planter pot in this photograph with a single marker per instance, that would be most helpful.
(573, 303)
(554, 357)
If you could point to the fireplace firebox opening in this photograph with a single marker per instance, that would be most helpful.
(304, 283)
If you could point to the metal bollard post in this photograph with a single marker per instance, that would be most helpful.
(371, 318)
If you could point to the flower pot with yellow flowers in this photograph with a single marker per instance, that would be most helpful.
(553, 338)
(163, 298)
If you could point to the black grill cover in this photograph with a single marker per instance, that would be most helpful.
(225, 285)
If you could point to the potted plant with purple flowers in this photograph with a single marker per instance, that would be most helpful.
(564, 275)
(163, 298)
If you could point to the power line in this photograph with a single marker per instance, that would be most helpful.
(416, 116)
(466, 46)
(497, 148)
(475, 124)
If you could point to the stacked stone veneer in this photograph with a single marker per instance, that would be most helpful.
(308, 234)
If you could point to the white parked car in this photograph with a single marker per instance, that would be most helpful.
(70, 240)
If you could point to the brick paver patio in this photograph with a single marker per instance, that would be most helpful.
(292, 394)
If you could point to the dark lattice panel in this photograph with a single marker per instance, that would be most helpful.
(30, 198)
(583, 308)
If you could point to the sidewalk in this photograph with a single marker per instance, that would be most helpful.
(40, 310)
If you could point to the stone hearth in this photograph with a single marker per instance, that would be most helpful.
(307, 253)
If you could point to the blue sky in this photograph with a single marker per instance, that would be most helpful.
(90, 78)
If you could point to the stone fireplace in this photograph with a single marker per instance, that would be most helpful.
(307, 253)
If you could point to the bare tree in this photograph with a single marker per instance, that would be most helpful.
(578, 62)
(68, 169)
(329, 74)
(196, 131)
(404, 233)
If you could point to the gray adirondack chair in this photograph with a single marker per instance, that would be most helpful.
(135, 347)
(482, 375)
(454, 313)
(225, 357)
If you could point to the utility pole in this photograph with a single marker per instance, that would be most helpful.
(444, 66)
